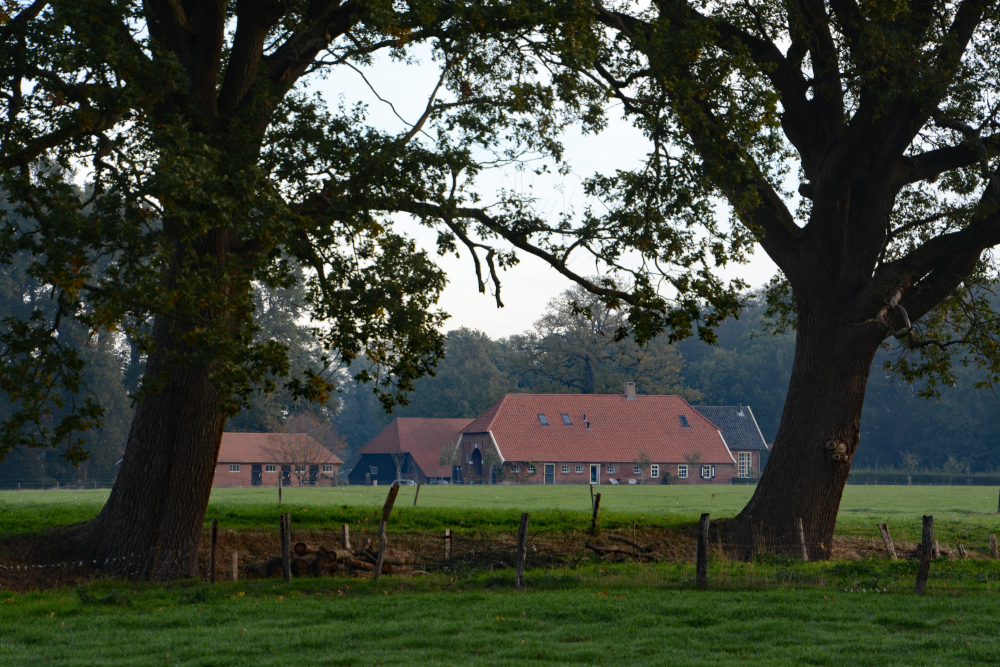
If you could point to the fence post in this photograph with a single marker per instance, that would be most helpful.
(279, 484)
(591, 496)
(887, 540)
(925, 555)
(236, 565)
(382, 535)
(347, 537)
(211, 558)
(802, 543)
(993, 546)
(416, 495)
(701, 559)
(286, 559)
(522, 548)
(597, 508)
(447, 543)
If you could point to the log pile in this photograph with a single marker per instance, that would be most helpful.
(318, 561)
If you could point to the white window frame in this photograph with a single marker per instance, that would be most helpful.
(706, 472)
(515, 468)
(327, 467)
(234, 467)
(682, 472)
(270, 467)
(610, 470)
(637, 470)
(654, 471)
(373, 470)
(579, 470)
(745, 465)
(531, 470)
(564, 470)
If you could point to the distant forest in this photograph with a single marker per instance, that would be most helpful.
(566, 351)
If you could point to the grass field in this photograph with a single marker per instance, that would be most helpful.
(608, 616)
(962, 513)
(772, 612)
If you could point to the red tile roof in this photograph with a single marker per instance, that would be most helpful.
(258, 447)
(619, 429)
(422, 439)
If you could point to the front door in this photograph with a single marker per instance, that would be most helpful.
(255, 473)
(595, 474)
(550, 473)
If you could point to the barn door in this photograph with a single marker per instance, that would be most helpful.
(255, 474)
(550, 473)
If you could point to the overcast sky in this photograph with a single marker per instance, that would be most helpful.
(527, 288)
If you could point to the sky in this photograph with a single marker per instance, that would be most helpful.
(527, 287)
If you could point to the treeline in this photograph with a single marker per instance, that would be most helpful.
(572, 348)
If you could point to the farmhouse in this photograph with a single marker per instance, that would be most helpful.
(412, 445)
(594, 439)
(255, 459)
(742, 436)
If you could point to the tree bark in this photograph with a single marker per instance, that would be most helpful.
(165, 478)
(816, 440)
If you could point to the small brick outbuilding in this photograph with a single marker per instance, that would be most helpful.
(257, 459)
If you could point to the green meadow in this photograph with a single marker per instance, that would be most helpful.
(962, 513)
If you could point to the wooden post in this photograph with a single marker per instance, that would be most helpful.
(597, 508)
(887, 541)
(993, 546)
(236, 566)
(211, 558)
(962, 552)
(937, 550)
(633, 531)
(383, 538)
(522, 548)
(701, 564)
(416, 495)
(280, 475)
(447, 543)
(591, 497)
(347, 537)
(286, 538)
(802, 543)
(368, 479)
(927, 545)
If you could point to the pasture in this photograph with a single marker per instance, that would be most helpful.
(962, 513)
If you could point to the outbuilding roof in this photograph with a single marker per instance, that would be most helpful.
(737, 424)
(602, 427)
(422, 439)
(266, 448)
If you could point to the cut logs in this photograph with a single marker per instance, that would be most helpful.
(319, 561)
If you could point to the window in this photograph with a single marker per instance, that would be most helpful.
(745, 464)
(531, 470)
(234, 467)
(684, 421)
(706, 472)
(636, 470)
(373, 470)
(565, 470)
(682, 472)
(579, 470)
(654, 471)
(542, 420)
(610, 469)
(327, 467)
(515, 468)
(270, 467)
(567, 420)
(300, 468)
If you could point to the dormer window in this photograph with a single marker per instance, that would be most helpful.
(567, 420)
(542, 420)
(684, 421)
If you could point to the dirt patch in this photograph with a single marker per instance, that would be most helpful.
(52, 560)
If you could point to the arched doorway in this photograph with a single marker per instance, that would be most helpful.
(477, 464)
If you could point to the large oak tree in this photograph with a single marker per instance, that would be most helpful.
(855, 143)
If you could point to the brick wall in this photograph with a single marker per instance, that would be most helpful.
(224, 477)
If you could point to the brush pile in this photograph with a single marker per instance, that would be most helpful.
(318, 561)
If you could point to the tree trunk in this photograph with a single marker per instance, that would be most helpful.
(816, 440)
(165, 478)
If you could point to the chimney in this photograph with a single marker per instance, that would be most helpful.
(630, 391)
